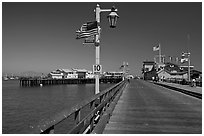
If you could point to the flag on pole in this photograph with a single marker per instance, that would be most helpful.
(182, 55)
(124, 65)
(183, 60)
(156, 48)
(87, 30)
(170, 58)
(163, 59)
(121, 67)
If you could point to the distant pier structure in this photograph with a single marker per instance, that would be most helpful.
(42, 82)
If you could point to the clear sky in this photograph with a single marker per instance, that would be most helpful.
(41, 37)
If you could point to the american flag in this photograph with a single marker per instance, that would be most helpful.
(124, 65)
(183, 60)
(170, 58)
(87, 30)
(121, 67)
(156, 48)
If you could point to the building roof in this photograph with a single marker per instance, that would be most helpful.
(196, 71)
(172, 67)
(90, 72)
(67, 70)
(79, 70)
(53, 73)
(185, 64)
(172, 73)
(148, 62)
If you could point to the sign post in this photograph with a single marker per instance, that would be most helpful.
(92, 30)
(97, 69)
(112, 20)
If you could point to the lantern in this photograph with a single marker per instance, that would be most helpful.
(112, 17)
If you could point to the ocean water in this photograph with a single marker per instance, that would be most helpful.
(25, 107)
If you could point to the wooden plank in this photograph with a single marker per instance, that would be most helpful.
(143, 109)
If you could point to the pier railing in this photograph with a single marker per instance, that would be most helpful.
(183, 82)
(82, 118)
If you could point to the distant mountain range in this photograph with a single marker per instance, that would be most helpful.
(26, 74)
(31, 74)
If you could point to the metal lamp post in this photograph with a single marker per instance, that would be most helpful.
(189, 62)
(189, 71)
(125, 65)
(112, 17)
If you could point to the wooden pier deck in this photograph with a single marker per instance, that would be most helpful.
(145, 108)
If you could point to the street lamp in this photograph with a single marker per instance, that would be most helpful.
(112, 17)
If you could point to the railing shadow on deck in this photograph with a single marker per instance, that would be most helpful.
(83, 117)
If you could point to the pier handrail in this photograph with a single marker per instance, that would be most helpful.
(97, 104)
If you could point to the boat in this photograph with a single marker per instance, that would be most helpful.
(5, 78)
(12, 77)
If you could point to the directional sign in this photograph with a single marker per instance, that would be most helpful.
(90, 40)
(97, 69)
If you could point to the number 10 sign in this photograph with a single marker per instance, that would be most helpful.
(97, 69)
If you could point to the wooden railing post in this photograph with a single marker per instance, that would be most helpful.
(77, 116)
(52, 130)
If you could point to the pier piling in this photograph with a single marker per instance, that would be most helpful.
(42, 82)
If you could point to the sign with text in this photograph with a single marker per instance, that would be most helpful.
(97, 69)
(90, 40)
